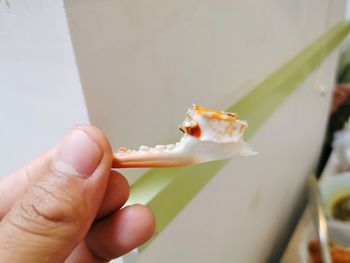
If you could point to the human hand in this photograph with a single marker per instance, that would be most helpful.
(66, 206)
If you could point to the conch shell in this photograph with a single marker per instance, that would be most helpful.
(208, 135)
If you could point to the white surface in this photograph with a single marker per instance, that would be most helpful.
(40, 91)
(142, 63)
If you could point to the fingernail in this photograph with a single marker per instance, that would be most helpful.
(77, 154)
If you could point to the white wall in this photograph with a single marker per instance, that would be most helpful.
(243, 214)
(348, 9)
(40, 91)
(143, 62)
(136, 57)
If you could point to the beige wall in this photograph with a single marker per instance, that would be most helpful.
(245, 212)
(40, 91)
(143, 62)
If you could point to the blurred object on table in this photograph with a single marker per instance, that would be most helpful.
(340, 94)
(340, 106)
(320, 221)
(333, 190)
(339, 253)
(341, 148)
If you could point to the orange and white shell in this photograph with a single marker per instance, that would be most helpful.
(208, 135)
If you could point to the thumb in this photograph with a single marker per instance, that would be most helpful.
(61, 201)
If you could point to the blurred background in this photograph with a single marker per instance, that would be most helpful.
(132, 68)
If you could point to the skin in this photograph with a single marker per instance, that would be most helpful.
(51, 213)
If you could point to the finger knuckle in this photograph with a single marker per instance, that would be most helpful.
(55, 205)
(48, 209)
